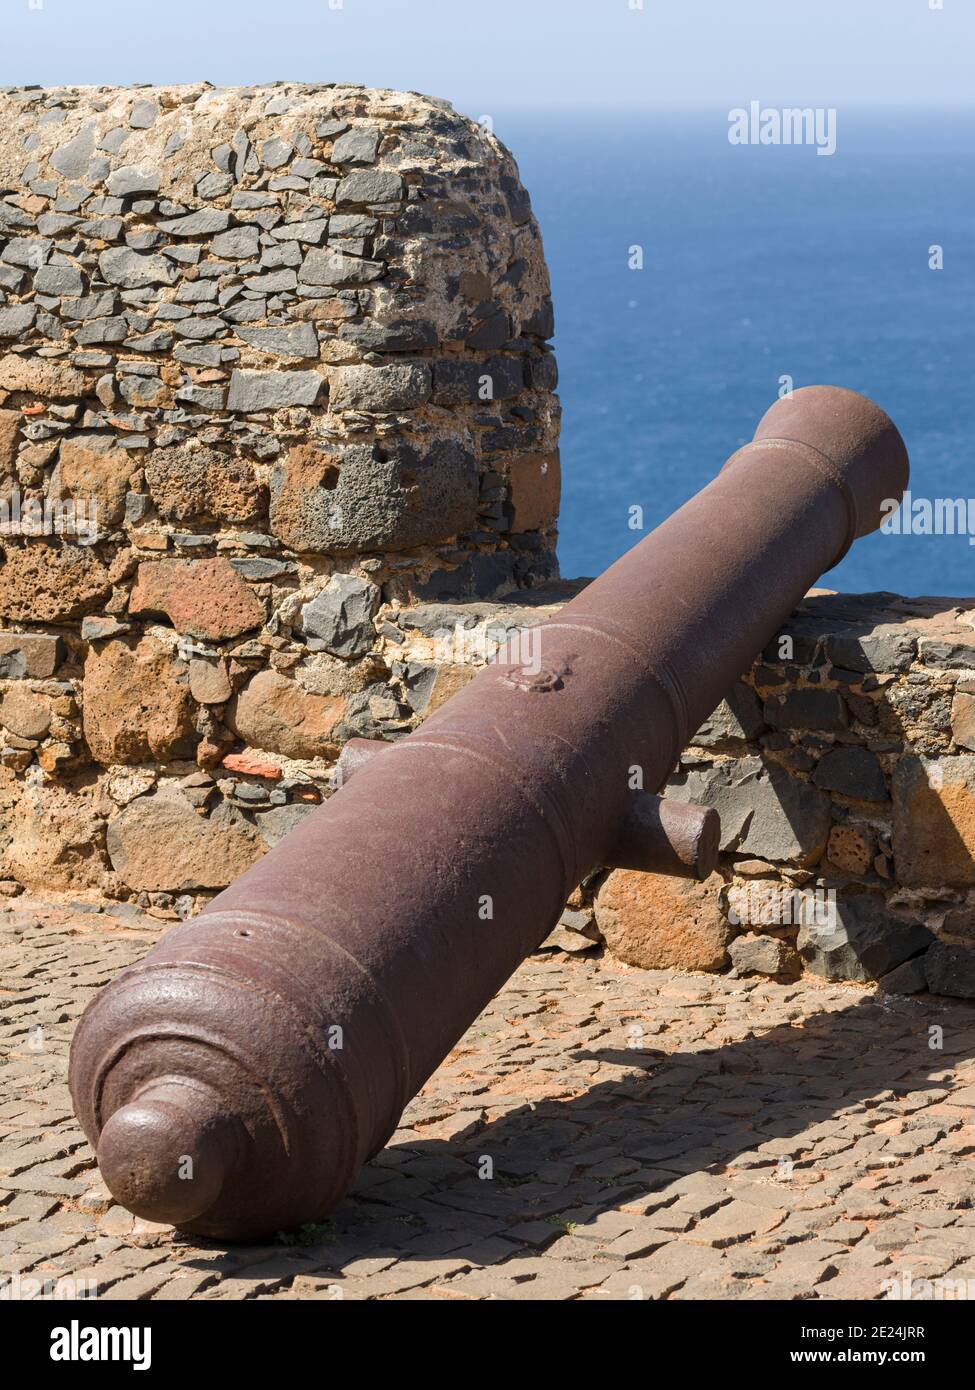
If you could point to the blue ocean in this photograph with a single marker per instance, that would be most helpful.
(759, 263)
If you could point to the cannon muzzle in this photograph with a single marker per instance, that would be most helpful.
(235, 1080)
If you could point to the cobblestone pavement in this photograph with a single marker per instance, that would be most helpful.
(599, 1133)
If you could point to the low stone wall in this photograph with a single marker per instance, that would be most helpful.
(843, 772)
(843, 769)
(273, 364)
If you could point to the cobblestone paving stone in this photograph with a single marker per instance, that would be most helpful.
(599, 1133)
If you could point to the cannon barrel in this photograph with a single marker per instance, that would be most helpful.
(235, 1080)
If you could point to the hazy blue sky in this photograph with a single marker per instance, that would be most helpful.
(487, 54)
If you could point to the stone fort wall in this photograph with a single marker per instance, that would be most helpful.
(273, 365)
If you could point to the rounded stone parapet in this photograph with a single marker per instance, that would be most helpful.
(274, 366)
(316, 312)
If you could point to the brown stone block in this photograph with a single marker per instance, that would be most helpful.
(161, 844)
(663, 923)
(447, 682)
(209, 681)
(55, 842)
(46, 581)
(764, 955)
(137, 704)
(25, 714)
(250, 765)
(371, 496)
(31, 654)
(934, 821)
(187, 483)
(851, 848)
(963, 719)
(275, 714)
(92, 469)
(39, 377)
(201, 598)
(536, 483)
(9, 431)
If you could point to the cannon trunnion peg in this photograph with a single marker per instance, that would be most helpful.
(235, 1080)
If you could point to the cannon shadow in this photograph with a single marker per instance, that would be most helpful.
(560, 1163)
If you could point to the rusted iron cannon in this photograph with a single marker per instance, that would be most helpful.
(236, 1079)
